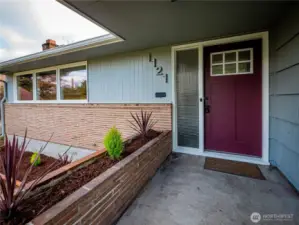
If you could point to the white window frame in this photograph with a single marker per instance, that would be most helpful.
(57, 69)
(223, 63)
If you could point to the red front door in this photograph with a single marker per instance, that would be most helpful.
(233, 98)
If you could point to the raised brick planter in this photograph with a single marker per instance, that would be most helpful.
(104, 199)
(61, 172)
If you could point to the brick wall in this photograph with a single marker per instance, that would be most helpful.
(103, 200)
(80, 125)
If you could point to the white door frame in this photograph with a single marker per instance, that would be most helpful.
(264, 36)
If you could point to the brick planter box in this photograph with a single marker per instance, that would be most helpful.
(104, 199)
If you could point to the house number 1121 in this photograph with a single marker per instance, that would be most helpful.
(159, 69)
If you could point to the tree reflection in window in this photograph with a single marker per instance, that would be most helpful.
(25, 87)
(46, 85)
(73, 83)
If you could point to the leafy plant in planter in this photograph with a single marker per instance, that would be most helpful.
(35, 159)
(142, 123)
(12, 197)
(114, 143)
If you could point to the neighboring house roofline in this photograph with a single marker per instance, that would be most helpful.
(64, 49)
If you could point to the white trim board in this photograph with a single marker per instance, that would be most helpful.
(264, 36)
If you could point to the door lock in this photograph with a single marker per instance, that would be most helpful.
(207, 107)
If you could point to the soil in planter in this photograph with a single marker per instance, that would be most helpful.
(74, 181)
(138, 142)
(37, 171)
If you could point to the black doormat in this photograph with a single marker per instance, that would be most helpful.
(233, 167)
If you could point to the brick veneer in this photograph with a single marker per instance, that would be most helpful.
(81, 125)
(103, 200)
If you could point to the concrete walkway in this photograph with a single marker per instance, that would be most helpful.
(184, 193)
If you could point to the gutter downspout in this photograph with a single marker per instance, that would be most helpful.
(3, 100)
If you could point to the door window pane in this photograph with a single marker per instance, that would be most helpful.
(73, 83)
(230, 57)
(217, 58)
(244, 67)
(239, 61)
(218, 69)
(25, 87)
(46, 85)
(244, 55)
(230, 68)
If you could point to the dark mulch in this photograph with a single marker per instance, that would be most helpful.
(37, 171)
(233, 167)
(74, 181)
(139, 142)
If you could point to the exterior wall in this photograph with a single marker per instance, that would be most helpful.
(79, 125)
(106, 197)
(125, 78)
(284, 95)
(122, 78)
(130, 78)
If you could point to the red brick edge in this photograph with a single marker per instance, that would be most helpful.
(103, 200)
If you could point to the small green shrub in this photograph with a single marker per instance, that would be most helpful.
(35, 159)
(114, 143)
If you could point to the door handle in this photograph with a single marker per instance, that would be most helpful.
(207, 107)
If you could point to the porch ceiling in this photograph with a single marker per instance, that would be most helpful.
(152, 24)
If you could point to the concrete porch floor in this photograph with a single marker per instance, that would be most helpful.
(184, 193)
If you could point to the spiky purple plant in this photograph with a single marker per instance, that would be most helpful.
(12, 196)
(142, 123)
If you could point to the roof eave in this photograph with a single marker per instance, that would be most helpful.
(88, 17)
(78, 46)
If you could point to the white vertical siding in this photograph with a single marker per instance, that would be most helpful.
(130, 77)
